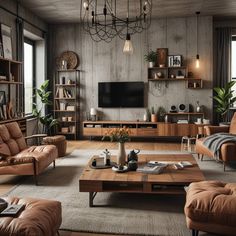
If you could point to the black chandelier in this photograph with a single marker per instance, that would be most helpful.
(103, 20)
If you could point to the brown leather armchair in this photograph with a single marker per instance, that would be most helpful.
(227, 151)
(19, 159)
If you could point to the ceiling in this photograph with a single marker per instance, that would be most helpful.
(58, 11)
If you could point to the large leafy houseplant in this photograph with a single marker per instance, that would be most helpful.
(224, 99)
(46, 120)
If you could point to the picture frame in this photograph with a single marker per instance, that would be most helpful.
(177, 61)
(170, 61)
(162, 54)
(1, 46)
(6, 38)
(2, 98)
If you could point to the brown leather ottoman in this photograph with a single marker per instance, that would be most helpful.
(59, 141)
(39, 218)
(211, 207)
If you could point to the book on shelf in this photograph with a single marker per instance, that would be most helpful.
(70, 108)
(182, 122)
(62, 106)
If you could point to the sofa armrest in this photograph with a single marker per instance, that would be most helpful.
(36, 136)
(228, 152)
(216, 129)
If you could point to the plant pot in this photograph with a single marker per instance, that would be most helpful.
(121, 155)
(150, 64)
(153, 118)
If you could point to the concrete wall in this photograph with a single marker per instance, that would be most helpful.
(106, 62)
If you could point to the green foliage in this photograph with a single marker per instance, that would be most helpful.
(44, 95)
(151, 56)
(224, 98)
(161, 113)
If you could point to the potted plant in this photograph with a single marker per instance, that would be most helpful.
(47, 121)
(153, 115)
(161, 113)
(225, 99)
(151, 58)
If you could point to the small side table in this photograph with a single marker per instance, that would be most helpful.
(188, 144)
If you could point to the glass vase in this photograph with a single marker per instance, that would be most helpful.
(121, 155)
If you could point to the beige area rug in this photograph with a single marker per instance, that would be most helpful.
(134, 214)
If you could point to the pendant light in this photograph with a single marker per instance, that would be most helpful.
(128, 47)
(197, 56)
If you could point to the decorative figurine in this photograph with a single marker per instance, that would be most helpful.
(107, 157)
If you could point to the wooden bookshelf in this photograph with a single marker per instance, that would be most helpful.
(66, 93)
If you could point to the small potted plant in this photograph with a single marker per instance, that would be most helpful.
(151, 58)
(161, 113)
(153, 115)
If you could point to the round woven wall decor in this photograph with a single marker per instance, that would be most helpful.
(70, 57)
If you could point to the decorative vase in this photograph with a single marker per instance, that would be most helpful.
(151, 64)
(121, 155)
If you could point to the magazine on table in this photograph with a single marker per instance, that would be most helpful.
(151, 169)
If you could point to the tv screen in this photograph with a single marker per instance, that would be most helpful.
(121, 94)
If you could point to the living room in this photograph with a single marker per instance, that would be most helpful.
(117, 117)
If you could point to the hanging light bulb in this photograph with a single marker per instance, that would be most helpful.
(85, 4)
(197, 61)
(197, 56)
(128, 47)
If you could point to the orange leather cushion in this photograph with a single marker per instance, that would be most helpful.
(211, 201)
(12, 140)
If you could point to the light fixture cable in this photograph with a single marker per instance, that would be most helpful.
(197, 56)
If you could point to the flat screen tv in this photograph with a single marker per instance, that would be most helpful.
(121, 94)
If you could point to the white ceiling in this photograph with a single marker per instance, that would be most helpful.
(56, 11)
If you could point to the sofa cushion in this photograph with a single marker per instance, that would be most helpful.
(40, 217)
(11, 139)
(211, 201)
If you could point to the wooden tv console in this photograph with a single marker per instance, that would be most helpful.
(140, 128)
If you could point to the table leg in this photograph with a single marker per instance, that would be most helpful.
(91, 198)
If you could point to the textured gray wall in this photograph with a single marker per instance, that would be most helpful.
(106, 62)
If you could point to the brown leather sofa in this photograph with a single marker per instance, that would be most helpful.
(228, 150)
(211, 207)
(39, 218)
(19, 159)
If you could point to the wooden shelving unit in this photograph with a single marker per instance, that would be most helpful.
(167, 73)
(66, 97)
(11, 84)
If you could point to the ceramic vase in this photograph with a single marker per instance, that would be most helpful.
(150, 64)
(121, 155)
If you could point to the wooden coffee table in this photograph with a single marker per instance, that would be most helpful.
(171, 181)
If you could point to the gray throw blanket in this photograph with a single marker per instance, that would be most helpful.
(214, 142)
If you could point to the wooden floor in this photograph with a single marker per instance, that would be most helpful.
(7, 182)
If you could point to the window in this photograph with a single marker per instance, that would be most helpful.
(29, 73)
(233, 65)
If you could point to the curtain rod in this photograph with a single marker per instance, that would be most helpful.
(14, 14)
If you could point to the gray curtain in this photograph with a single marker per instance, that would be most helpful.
(222, 61)
(20, 57)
